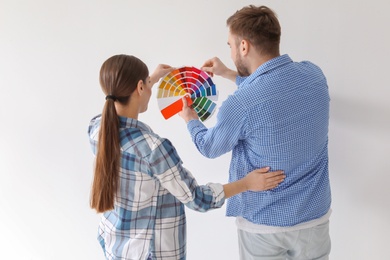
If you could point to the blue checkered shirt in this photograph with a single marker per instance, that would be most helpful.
(148, 221)
(277, 117)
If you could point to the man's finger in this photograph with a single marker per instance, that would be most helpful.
(184, 102)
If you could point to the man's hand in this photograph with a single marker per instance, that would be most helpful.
(215, 66)
(187, 113)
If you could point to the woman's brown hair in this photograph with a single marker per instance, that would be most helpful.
(119, 76)
(258, 25)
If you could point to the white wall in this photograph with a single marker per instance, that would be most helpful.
(50, 56)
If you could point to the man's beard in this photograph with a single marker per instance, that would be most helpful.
(242, 70)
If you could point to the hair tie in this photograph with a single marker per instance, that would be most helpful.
(114, 98)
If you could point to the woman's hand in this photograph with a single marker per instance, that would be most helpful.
(257, 180)
(261, 179)
(160, 71)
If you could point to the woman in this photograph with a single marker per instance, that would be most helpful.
(139, 181)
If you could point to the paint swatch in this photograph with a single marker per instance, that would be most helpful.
(188, 81)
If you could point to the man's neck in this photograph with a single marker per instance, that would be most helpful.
(260, 60)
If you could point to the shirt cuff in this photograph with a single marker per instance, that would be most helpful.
(219, 194)
(194, 126)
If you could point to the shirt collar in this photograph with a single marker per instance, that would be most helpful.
(267, 66)
(125, 122)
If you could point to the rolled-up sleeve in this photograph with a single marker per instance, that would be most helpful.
(166, 166)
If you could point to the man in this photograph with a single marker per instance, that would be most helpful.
(277, 117)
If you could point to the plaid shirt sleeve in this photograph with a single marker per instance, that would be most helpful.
(167, 167)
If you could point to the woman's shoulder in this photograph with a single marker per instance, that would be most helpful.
(142, 140)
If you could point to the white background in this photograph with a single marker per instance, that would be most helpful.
(50, 56)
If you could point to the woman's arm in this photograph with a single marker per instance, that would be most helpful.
(167, 168)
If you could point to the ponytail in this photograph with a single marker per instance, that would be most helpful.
(119, 76)
(106, 177)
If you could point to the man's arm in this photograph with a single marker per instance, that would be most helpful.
(224, 136)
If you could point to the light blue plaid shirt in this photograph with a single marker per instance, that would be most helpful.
(148, 221)
(277, 117)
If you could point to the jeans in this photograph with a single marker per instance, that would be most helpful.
(305, 244)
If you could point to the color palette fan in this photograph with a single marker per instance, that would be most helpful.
(192, 83)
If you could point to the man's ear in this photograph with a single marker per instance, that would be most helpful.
(244, 47)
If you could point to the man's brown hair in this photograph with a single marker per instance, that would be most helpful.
(259, 26)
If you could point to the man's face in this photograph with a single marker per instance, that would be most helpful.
(235, 55)
(242, 69)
